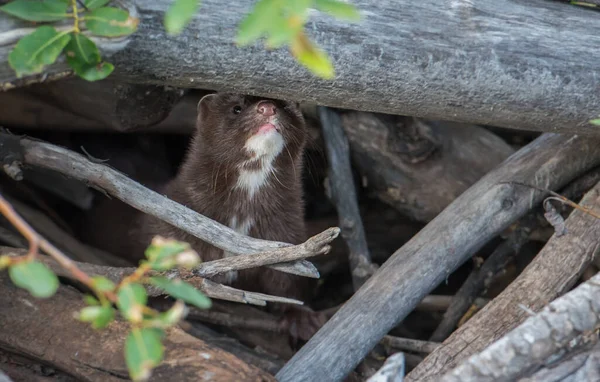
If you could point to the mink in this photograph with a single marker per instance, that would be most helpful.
(243, 169)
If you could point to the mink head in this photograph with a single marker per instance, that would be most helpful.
(241, 129)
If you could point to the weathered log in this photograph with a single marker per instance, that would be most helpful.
(554, 330)
(476, 216)
(582, 367)
(472, 62)
(420, 167)
(342, 192)
(45, 330)
(30, 111)
(553, 271)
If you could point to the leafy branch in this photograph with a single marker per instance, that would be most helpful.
(281, 22)
(143, 346)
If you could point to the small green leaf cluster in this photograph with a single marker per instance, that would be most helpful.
(282, 23)
(595, 122)
(143, 346)
(45, 44)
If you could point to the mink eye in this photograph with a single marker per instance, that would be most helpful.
(237, 109)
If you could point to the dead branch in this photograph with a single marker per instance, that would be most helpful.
(553, 271)
(343, 194)
(45, 330)
(116, 274)
(44, 155)
(479, 214)
(235, 321)
(536, 340)
(316, 245)
(481, 276)
(407, 344)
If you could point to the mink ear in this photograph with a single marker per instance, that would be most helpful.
(204, 104)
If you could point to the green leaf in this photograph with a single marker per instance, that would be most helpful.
(110, 22)
(130, 299)
(312, 57)
(5, 261)
(38, 279)
(143, 352)
(595, 122)
(84, 57)
(38, 11)
(103, 284)
(90, 300)
(99, 316)
(93, 4)
(170, 317)
(338, 9)
(282, 31)
(36, 50)
(259, 20)
(162, 253)
(182, 290)
(179, 15)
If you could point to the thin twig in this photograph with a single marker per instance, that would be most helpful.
(234, 321)
(116, 274)
(36, 242)
(343, 194)
(314, 246)
(75, 165)
(407, 344)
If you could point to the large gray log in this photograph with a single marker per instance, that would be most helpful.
(479, 214)
(526, 65)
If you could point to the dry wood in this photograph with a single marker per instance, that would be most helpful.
(554, 270)
(45, 330)
(234, 321)
(474, 61)
(479, 214)
(44, 155)
(480, 277)
(342, 192)
(316, 245)
(420, 167)
(116, 274)
(408, 344)
(536, 340)
(582, 367)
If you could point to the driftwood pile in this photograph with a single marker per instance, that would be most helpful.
(445, 264)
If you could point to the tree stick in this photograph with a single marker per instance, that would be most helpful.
(44, 155)
(342, 192)
(408, 344)
(479, 214)
(533, 342)
(116, 274)
(474, 61)
(553, 271)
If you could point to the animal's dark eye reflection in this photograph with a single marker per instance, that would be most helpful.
(237, 109)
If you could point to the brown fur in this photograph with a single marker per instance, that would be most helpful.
(206, 180)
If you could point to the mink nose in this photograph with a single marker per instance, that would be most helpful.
(266, 108)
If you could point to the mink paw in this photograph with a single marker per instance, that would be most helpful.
(302, 323)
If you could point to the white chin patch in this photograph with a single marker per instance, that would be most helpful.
(265, 146)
